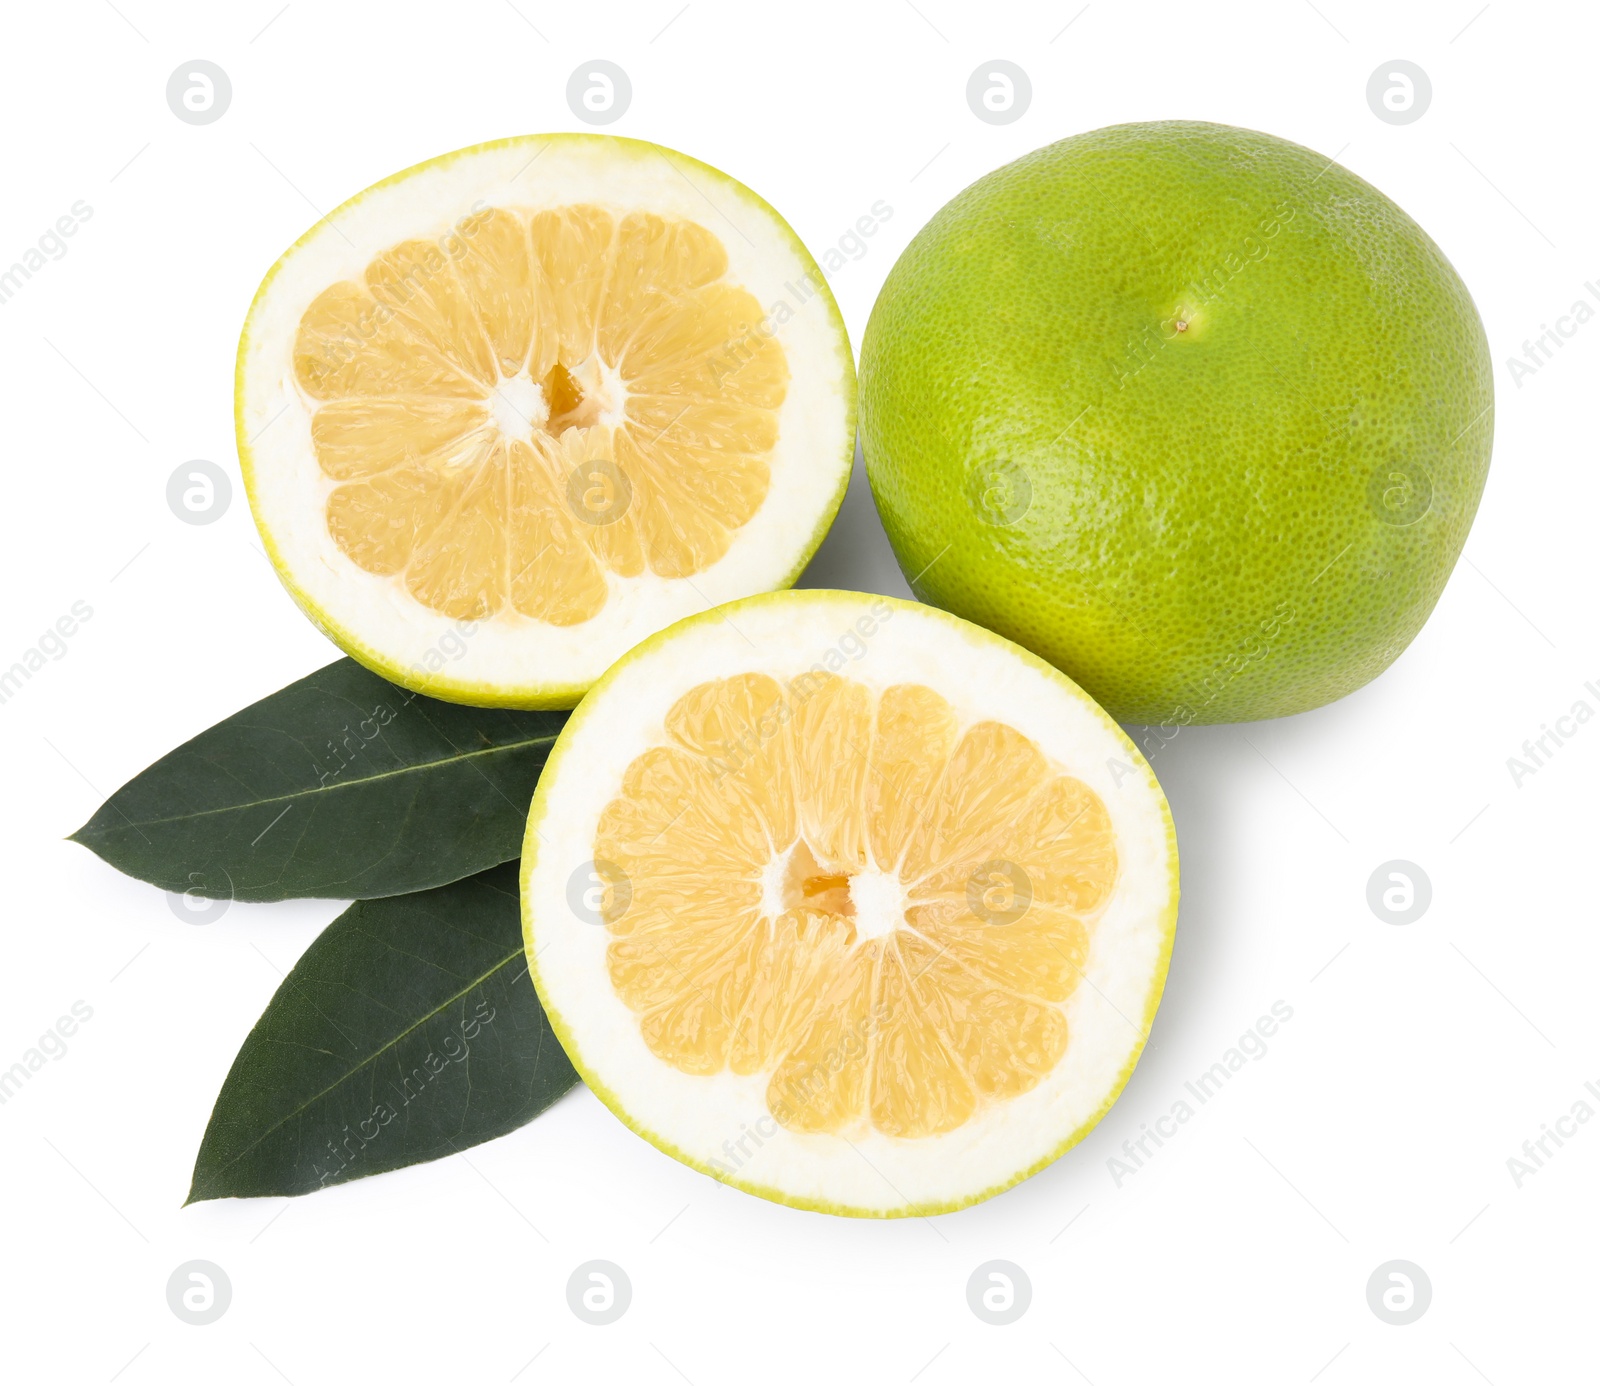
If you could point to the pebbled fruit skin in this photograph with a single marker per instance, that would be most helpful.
(1244, 517)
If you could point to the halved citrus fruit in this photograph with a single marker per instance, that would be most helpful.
(849, 903)
(510, 411)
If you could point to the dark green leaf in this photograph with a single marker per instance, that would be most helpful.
(409, 1030)
(339, 785)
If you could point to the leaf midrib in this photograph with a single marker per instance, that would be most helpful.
(371, 1058)
(343, 784)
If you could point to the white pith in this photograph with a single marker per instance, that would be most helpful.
(518, 407)
(772, 895)
(509, 652)
(879, 898)
(697, 1117)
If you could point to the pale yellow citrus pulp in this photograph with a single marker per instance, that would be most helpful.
(546, 399)
(849, 894)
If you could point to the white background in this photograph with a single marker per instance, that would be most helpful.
(1378, 1125)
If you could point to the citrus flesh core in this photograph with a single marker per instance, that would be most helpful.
(821, 876)
(509, 412)
(564, 399)
(1192, 412)
(938, 889)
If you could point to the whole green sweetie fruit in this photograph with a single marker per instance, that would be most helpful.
(1192, 412)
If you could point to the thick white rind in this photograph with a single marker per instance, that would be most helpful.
(511, 658)
(702, 1119)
